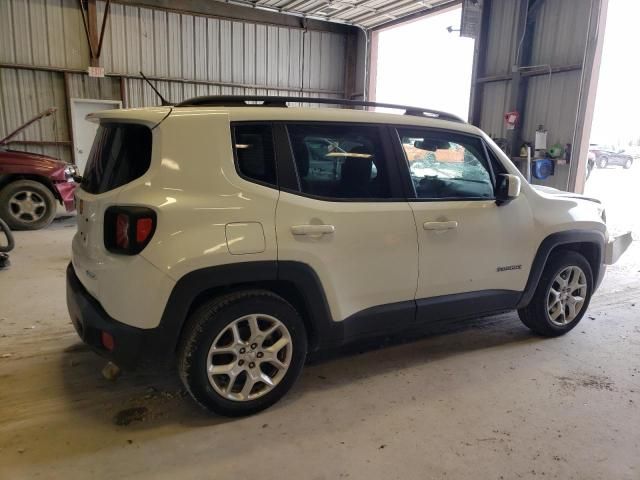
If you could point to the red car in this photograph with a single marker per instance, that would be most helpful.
(31, 185)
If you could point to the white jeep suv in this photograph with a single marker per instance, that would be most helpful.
(235, 238)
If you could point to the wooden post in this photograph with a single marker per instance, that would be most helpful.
(92, 25)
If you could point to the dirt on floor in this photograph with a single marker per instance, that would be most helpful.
(487, 400)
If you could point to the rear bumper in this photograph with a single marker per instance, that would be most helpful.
(90, 320)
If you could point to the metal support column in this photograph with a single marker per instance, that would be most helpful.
(519, 82)
(480, 60)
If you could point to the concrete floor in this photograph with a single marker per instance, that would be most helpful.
(486, 401)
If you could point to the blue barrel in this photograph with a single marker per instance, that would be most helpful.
(543, 168)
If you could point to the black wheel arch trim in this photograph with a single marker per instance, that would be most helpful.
(560, 239)
(7, 179)
(193, 285)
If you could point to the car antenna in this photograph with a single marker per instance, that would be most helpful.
(163, 101)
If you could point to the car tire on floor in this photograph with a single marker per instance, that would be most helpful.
(27, 205)
(242, 352)
(562, 296)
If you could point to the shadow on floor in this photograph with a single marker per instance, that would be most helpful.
(148, 398)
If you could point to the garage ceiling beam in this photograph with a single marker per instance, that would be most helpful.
(417, 15)
(532, 73)
(227, 11)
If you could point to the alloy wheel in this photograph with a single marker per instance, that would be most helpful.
(249, 357)
(567, 295)
(27, 206)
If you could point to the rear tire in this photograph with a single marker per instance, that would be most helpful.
(27, 205)
(553, 310)
(242, 352)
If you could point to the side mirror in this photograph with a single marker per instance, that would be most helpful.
(508, 188)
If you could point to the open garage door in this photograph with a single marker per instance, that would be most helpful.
(424, 62)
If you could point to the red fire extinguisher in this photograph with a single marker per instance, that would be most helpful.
(511, 120)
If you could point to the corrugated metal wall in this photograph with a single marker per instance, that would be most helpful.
(560, 38)
(233, 54)
(39, 91)
(138, 93)
(83, 86)
(43, 32)
(187, 54)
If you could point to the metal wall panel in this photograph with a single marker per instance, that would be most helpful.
(46, 33)
(552, 101)
(26, 93)
(239, 57)
(38, 92)
(495, 100)
(559, 39)
(188, 47)
(139, 93)
(502, 42)
(83, 86)
(561, 32)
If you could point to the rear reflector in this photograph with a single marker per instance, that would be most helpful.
(107, 341)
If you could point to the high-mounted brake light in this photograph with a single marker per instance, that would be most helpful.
(127, 230)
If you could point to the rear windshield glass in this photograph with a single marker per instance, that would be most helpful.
(120, 154)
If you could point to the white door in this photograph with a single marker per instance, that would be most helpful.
(83, 130)
(468, 244)
(349, 223)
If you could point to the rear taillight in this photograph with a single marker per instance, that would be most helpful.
(127, 230)
(122, 231)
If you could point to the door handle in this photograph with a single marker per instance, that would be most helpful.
(312, 229)
(440, 225)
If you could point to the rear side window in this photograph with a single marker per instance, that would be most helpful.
(253, 148)
(120, 154)
(340, 161)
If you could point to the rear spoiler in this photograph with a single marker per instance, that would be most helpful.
(151, 117)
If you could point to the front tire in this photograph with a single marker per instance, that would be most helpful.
(562, 296)
(627, 164)
(602, 162)
(242, 352)
(27, 205)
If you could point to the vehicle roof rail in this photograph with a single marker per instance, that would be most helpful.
(276, 101)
